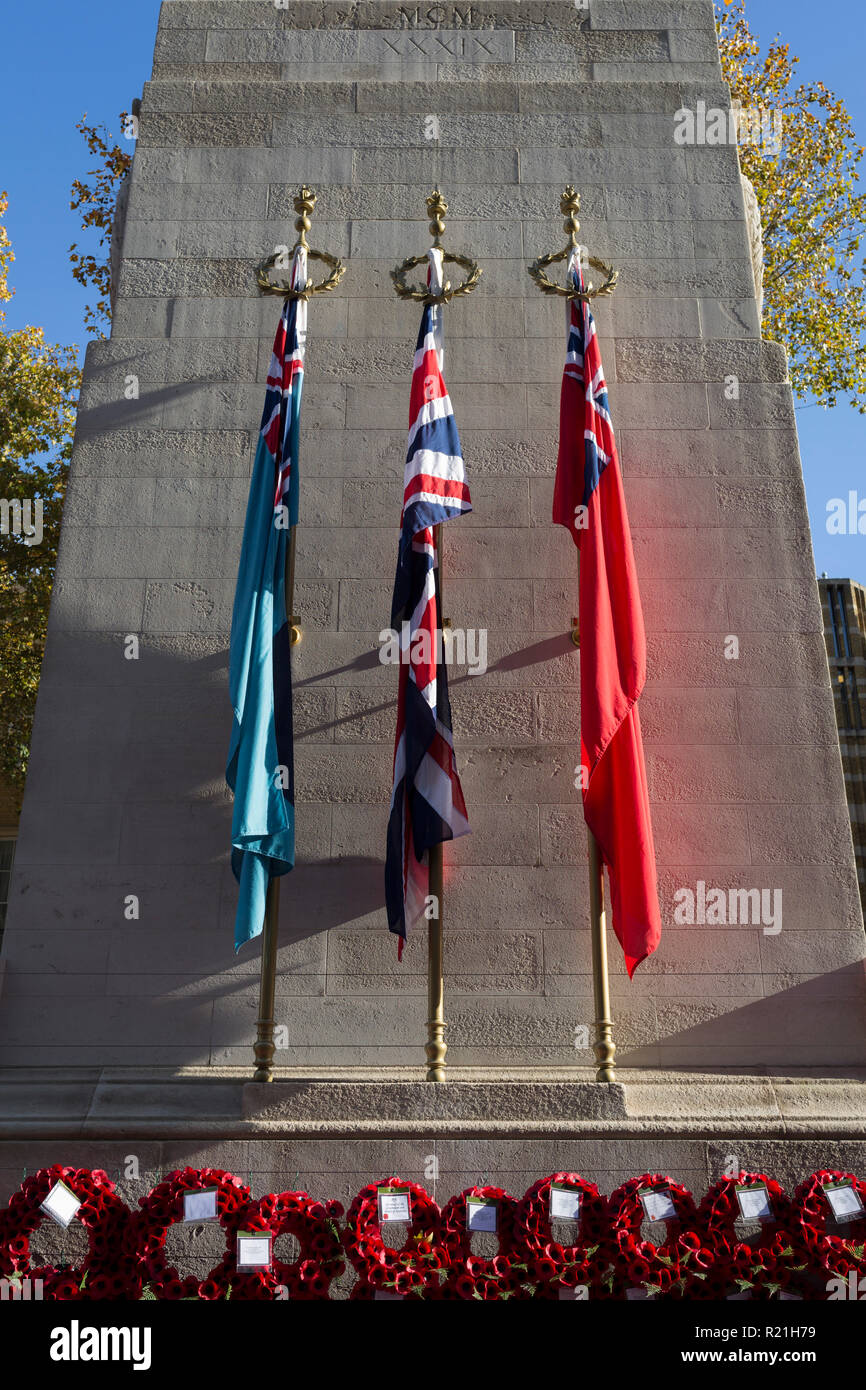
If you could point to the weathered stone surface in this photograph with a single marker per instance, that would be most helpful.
(500, 105)
(669, 360)
(329, 1133)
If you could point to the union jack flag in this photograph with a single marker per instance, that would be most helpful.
(285, 378)
(427, 805)
(589, 499)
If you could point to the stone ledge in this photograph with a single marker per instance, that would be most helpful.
(458, 1102)
(346, 1103)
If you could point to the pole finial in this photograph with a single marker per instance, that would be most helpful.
(305, 201)
(436, 211)
(569, 206)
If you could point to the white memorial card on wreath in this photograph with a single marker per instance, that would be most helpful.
(844, 1200)
(755, 1203)
(61, 1204)
(394, 1204)
(253, 1250)
(564, 1203)
(482, 1214)
(659, 1206)
(200, 1206)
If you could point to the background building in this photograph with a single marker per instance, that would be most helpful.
(844, 605)
(8, 834)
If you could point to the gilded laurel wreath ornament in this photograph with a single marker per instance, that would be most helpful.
(537, 269)
(436, 210)
(305, 202)
(423, 296)
(284, 289)
(569, 205)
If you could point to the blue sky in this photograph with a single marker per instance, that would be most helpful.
(63, 59)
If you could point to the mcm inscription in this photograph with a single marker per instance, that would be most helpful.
(439, 17)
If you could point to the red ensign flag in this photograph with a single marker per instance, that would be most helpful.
(588, 499)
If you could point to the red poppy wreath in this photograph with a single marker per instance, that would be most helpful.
(505, 1274)
(314, 1226)
(413, 1269)
(774, 1260)
(164, 1206)
(550, 1264)
(668, 1269)
(838, 1253)
(106, 1272)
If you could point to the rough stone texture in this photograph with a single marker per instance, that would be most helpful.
(372, 103)
(331, 1134)
(542, 1102)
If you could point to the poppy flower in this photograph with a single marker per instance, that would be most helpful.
(64, 1291)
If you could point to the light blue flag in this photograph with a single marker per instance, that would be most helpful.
(260, 769)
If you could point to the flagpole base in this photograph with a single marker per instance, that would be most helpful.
(435, 1050)
(605, 1051)
(436, 1045)
(605, 1047)
(264, 1050)
(265, 1045)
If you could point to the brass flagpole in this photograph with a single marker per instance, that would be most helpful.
(265, 1044)
(436, 1047)
(604, 1046)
